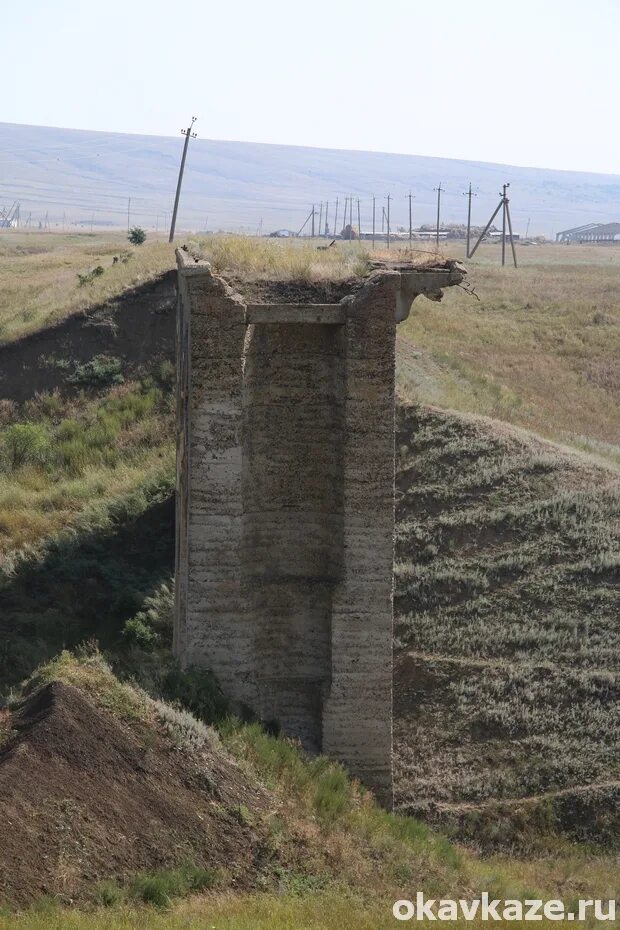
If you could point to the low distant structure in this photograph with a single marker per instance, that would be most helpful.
(591, 232)
(496, 235)
(283, 234)
(285, 500)
(417, 235)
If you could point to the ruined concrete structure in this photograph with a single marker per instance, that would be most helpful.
(285, 503)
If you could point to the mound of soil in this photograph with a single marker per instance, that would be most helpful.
(84, 796)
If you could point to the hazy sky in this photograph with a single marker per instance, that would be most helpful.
(529, 83)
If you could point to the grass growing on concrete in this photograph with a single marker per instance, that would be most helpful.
(44, 277)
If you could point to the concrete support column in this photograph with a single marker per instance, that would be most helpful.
(213, 625)
(357, 721)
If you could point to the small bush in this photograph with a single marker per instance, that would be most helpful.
(136, 235)
(153, 624)
(137, 633)
(185, 730)
(26, 444)
(100, 371)
(332, 794)
(108, 894)
(166, 373)
(160, 888)
(90, 276)
(198, 690)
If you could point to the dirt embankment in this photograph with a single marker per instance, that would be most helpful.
(138, 328)
(506, 685)
(84, 796)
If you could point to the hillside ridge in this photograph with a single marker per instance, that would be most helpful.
(78, 173)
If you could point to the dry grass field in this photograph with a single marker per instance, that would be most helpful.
(39, 282)
(540, 348)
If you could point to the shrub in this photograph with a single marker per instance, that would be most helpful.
(153, 623)
(26, 444)
(137, 633)
(166, 373)
(136, 235)
(186, 731)
(99, 371)
(108, 894)
(197, 690)
(159, 888)
(90, 276)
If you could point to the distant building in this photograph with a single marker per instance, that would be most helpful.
(495, 235)
(416, 234)
(283, 234)
(591, 232)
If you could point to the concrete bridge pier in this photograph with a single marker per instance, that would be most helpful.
(285, 504)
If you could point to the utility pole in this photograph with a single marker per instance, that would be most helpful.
(439, 190)
(527, 228)
(502, 205)
(188, 135)
(128, 214)
(320, 218)
(344, 221)
(373, 221)
(326, 214)
(336, 219)
(507, 212)
(312, 224)
(469, 194)
(306, 221)
(504, 225)
(359, 221)
(388, 220)
(410, 225)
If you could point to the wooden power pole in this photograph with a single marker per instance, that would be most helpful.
(503, 206)
(188, 135)
(469, 194)
(373, 220)
(439, 190)
(410, 224)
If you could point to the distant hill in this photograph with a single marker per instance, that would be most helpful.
(87, 177)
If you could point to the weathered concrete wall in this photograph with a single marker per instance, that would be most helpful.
(285, 525)
(292, 505)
